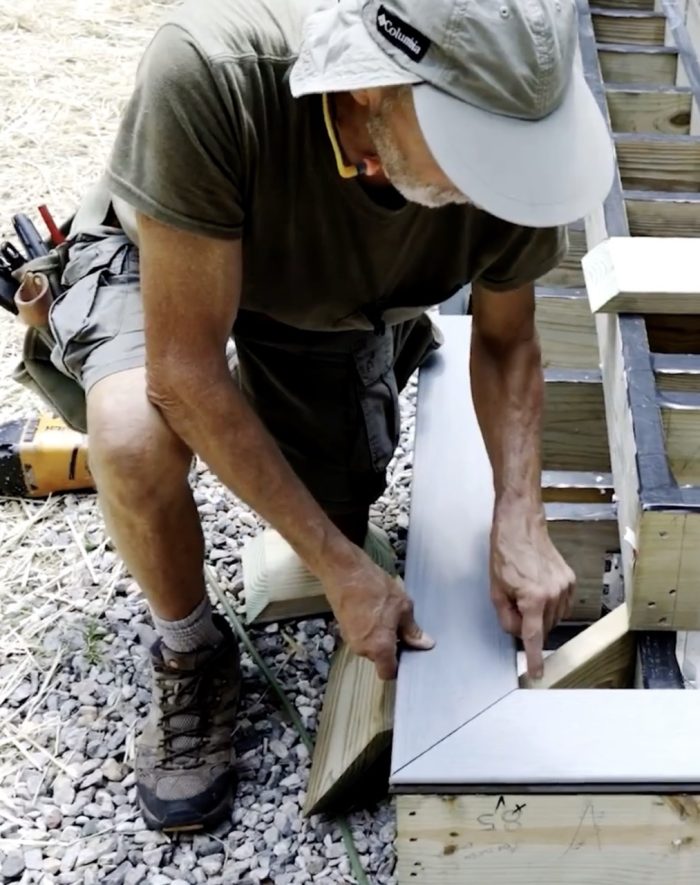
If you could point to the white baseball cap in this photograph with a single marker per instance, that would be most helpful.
(498, 89)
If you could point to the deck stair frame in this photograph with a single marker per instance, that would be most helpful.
(651, 364)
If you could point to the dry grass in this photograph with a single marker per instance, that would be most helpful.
(65, 71)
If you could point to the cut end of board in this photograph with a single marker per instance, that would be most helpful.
(350, 761)
(277, 584)
(644, 275)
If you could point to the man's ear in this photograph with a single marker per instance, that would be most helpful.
(369, 98)
(361, 96)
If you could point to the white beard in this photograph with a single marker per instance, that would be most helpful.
(431, 195)
(393, 162)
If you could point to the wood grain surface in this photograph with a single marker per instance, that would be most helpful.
(548, 840)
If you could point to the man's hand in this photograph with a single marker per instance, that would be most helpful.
(531, 584)
(374, 614)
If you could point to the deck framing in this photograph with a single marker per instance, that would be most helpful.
(658, 512)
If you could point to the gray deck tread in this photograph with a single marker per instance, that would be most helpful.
(461, 723)
(447, 562)
(560, 739)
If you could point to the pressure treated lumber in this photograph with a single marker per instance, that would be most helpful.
(526, 839)
(574, 436)
(623, 26)
(354, 734)
(601, 656)
(650, 109)
(659, 162)
(659, 214)
(683, 29)
(568, 272)
(657, 517)
(622, 445)
(649, 275)
(638, 64)
(660, 548)
(566, 329)
(277, 584)
(651, 535)
(693, 25)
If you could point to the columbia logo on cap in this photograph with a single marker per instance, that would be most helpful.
(401, 34)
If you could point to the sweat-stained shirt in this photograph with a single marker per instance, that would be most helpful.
(213, 142)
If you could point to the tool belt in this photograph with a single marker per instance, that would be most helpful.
(40, 286)
(41, 283)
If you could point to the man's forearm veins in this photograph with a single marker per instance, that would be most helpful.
(508, 392)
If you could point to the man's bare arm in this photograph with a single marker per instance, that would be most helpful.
(531, 584)
(191, 290)
(508, 390)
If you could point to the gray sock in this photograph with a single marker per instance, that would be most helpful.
(192, 632)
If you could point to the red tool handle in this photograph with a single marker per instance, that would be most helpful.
(55, 234)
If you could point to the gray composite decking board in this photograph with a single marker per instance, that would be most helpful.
(447, 562)
(626, 740)
(461, 722)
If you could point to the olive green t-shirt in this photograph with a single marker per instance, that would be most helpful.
(213, 142)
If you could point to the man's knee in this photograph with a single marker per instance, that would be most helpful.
(131, 448)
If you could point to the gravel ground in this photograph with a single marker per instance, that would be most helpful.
(79, 680)
(74, 672)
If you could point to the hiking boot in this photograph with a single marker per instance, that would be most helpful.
(184, 757)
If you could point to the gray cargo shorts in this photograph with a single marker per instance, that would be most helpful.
(330, 399)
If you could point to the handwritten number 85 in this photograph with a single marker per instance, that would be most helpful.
(509, 819)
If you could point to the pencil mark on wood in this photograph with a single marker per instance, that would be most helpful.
(501, 848)
(486, 822)
(503, 818)
(578, 840)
